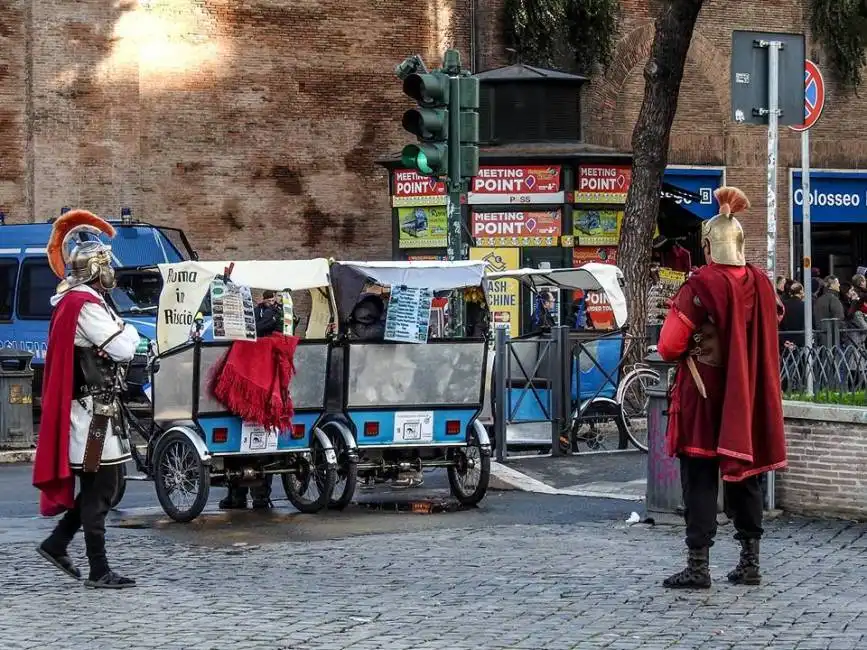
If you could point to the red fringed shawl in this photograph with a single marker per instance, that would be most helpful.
(254, 380)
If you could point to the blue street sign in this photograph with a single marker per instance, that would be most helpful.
(702, 181)
(836, 197)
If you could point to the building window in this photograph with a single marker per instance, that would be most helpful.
(38, 284)
(8, 273)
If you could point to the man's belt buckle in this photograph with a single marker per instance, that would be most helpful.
(104, 410)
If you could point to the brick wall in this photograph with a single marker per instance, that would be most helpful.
(703, 134)
(827, 472)
(254, 125)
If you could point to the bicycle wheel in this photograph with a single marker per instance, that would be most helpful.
(632, 396)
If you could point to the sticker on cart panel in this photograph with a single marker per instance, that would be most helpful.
(413, 426)
(257, 439)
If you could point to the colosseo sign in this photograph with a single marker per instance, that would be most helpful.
(836, 196)
(698, 180)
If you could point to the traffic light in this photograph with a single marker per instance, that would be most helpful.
(429, 122)
(469, 126)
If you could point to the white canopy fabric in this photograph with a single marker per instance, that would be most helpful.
(276, 275)
(426, 274)
(589, 277)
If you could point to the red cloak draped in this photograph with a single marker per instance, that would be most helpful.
(51, 471)
(254, 380)
(741, 420)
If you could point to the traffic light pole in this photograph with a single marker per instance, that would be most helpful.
(455, 235)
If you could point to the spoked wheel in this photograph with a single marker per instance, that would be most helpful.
(310, 486)
(347, 472)
(471, 473)
(600, 428)
(120, 490)
(182, 479)
(634, 400)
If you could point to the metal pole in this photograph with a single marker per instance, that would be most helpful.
(454, 237)
(773, 142)
(773, 145)
(808, 257)
(500, 376)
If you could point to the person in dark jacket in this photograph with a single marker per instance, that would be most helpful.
(367, 320)
(828, 305)
(269, 320)
(269, 315)
(792, 325)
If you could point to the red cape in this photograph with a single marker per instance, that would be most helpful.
(751, 434)
(254, 380)
(51, 471)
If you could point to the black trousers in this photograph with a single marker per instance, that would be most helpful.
(699, 478)
(92, 504)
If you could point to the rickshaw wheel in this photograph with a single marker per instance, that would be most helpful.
(179, 471)
(347, 475)
(466, 492)
(596, 414)
(312, 469)
(117, 497)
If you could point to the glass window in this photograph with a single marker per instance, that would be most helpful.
(38, 284)
(136, 292)
(8, 273)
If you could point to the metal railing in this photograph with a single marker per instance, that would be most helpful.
(837, 360)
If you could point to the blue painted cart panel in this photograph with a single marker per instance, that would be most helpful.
(386, 421)
(285, 442)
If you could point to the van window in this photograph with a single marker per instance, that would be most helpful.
(38, 284)
(8, 272)
(136, 292)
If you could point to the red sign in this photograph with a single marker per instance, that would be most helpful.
(516, 185)
(516, 228)
(411, 188)
(602, 254)
(603, 184)
(814, 96)
(599, 311)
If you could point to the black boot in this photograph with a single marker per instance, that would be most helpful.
(747, 571)
(59, 559)
(235, 500)
(101, 576)
(696, 575)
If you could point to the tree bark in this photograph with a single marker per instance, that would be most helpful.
(650, 138)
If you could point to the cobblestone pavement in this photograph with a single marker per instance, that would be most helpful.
(522, 587)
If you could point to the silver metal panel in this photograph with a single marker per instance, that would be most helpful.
(211, 361)
(311, 371)
(173, 387)
(528, 351)
(404, 374)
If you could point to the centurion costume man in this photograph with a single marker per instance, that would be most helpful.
(80, 433)
(725, 414)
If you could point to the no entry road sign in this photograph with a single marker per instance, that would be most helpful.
(814, 96)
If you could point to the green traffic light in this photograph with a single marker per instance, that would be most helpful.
(427, 160)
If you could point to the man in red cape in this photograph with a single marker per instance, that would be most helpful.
(726, 414)
(78, 435)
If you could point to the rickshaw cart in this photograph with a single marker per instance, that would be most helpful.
(594, 366)
(413, 406)
(193, 442)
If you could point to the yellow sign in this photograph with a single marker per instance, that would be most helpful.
(503, 295)
(422, 227)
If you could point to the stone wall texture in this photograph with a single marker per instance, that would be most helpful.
(255, 124)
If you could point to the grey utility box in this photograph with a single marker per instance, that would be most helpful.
(16, 399)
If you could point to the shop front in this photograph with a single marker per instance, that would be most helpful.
(838, 221)
(547, 214)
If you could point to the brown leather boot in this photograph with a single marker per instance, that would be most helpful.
(747, 571)
(696, 575)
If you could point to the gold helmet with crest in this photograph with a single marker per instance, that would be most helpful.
(723, 233)
(88, 260)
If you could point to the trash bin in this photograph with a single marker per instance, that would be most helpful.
(664, 494)
(664, 499)
(16, 399)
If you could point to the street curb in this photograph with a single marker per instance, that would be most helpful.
(17, 456)
(508, 478)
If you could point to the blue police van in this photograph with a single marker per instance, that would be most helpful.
(27, 283)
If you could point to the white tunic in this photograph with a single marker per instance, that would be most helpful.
(96, 324)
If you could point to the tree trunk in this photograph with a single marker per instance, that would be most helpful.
(663, 74)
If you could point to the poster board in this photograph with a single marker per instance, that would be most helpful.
(232, 312)
(408, 316)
